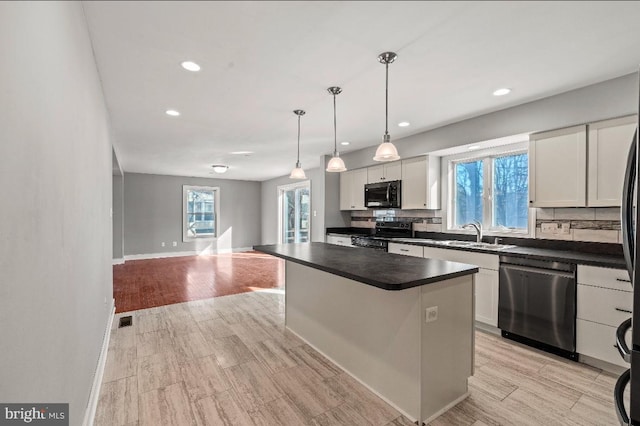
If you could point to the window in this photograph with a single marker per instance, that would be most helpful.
(199, 212)
(493, 190)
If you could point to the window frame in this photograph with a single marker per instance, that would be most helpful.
(216, 211)
(281, 189)
(487, 156)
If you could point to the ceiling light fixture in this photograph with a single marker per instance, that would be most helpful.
(386, 151)
(190, 66)
(345, 143)
(502, 92)
(220, 168)
(241, 152)
(335, 164)
(404, 124)
(172, 112)
(297, 172)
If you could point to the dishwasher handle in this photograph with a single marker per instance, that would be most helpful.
(553, 272)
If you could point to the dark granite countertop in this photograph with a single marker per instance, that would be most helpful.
(583, 258)
(379, 269)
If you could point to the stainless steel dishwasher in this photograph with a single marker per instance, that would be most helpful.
(537, 304)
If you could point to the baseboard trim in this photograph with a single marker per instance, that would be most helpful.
(447, 408)
(119, 261)
(184, 253)
(90, 413)
(404, 413)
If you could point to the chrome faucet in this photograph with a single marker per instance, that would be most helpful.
(477, 226)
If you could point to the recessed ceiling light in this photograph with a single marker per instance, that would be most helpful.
(404, 124)
(502, 92)
(220, 168)
(241, 152)
(172, 112)
(345, 143)
(190, 66)
(472, 147)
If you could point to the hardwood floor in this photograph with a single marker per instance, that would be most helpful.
(142, 284)
(230, 361)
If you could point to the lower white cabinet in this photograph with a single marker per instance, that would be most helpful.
(486, 280)
(339, 240)
(604, 300)
(406, 249)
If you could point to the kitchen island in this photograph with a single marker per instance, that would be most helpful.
(402, 326)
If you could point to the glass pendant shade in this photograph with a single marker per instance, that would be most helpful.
(297, 173)
(386, 152)
(336, 164)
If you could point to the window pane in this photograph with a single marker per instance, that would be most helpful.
(303, 225)
(290, 216)
(468, 190)
(200, 213)
(511, 191)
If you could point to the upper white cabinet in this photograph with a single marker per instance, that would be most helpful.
(558, 168)
(609, 143)
(384, 172)
(352, 189)
(421, 183)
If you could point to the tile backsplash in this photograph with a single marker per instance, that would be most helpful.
(600, 225)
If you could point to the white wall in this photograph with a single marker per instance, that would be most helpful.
(55, 190)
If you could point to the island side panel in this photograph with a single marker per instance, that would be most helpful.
(371, 333)
(447, 344)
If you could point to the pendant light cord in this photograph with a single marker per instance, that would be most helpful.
(386, 101)
(335, 134)
(298, 140)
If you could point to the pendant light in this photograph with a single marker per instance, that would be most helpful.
(386, 151)
(298, 173)
(335, 164)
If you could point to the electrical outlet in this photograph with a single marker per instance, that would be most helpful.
(175, 244)
(565, 229)
(431, 314)
(162, 244)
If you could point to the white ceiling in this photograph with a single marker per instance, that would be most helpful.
(261, 60)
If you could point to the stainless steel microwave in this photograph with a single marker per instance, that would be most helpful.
(383, 195)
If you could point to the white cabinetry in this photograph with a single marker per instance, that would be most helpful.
(352, 189)
(486, 280)
(421, 183)
(609, 143)
(406, 249)
(384, 172)
(558, 168)
(604, 300)
(339, 240)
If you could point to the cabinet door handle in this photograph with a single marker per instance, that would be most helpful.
(623, 280)
(404, 250)
(624, 310)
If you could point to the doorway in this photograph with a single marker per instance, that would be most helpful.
(294, 207)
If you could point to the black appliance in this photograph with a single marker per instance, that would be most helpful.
(385, 229)
(537, 304)
(383, 195)
(630, 217)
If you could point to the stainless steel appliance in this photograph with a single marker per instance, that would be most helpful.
(631, 240)
(537, 304)
(384, 229)
(383, 194)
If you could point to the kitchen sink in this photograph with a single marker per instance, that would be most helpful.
(456, 243)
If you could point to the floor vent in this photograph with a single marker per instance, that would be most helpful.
(125, 321)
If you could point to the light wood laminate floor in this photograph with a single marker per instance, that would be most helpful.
(230, 361)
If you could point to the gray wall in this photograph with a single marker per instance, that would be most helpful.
(153, 214)
(118, 216)
(612, 98)
(270, 206)
(55, 241)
